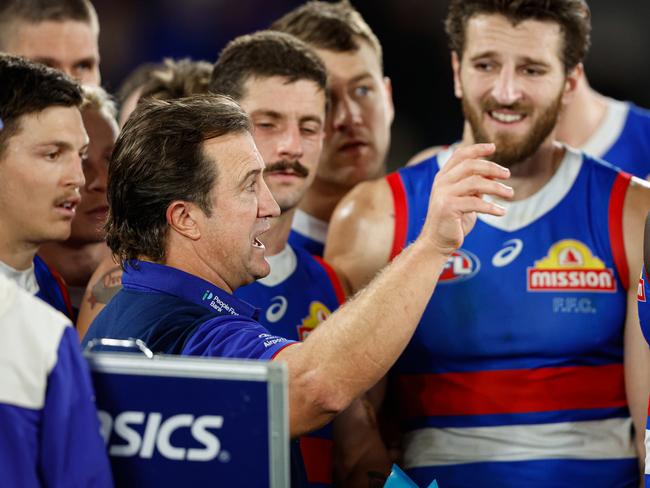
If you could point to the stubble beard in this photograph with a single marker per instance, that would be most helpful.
(512, 150)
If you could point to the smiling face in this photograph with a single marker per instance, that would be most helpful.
(512, 83)
(91, 212)
(357, 134)
(40, 176)
(241, 207)
(70, 46)
(288, 121)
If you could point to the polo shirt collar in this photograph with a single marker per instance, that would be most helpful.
(153, 277)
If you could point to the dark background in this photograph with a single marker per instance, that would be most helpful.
(415, 52)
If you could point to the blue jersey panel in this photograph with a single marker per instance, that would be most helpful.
(306, 243)
(52, 290)
(522, 337)
(631, 151)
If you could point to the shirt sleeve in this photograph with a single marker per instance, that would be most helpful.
(234, 338)
(72, 451)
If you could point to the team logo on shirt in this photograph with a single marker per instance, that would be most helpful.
(571, 266)
(640, 294)
(318, 312)
(460, 266)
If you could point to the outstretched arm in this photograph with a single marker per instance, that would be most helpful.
(357, 345)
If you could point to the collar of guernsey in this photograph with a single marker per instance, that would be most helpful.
(149, 277)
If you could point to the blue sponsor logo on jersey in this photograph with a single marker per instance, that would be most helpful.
(461, 265)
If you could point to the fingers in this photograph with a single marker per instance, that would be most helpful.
(475, 204)
(478, 185)
(475, 151)
(487, 169)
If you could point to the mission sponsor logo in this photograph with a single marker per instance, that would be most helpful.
(571, 266)
(460, 266)
(318, 312)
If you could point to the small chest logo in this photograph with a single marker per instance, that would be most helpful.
(510, 252)
(640, 294)
(318, 312)
(277, 309)
(571, 266)
(460, 266)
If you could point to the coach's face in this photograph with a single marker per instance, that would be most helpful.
(241, 207)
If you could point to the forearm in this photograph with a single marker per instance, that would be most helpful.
(357, 345)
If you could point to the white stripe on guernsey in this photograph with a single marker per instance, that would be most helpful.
(523, 212)
(602, 439)
(647, 451)
(30, 333)
(609, 130)
(309, 226)
(282, 266)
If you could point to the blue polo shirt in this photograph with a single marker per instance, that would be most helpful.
(175, 312)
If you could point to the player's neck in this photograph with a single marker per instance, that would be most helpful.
(321, 199)
(582, 116)
(530, 175)
(18, 255)
(276, 238)
(74, 262)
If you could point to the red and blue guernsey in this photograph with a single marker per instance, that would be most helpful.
(301, 292)
(43, 282)
(623, 138)
(49, 429)
(308, 233)
(514, 376)
(643, 302)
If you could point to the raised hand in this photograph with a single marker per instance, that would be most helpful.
(457, 196)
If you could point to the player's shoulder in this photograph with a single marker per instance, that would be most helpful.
(25, 314)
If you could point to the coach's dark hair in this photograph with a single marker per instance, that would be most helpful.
(332, 26)
(27, 88)
(573, 17)
(35, 11)
(265, 54)
(159, 158)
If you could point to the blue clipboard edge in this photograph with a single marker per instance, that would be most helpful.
(274, 373)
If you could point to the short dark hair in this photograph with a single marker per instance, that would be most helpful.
(177, 79)
(159, 158)
(265, 54)
(332, 26)
(29, 87)
(35, 11)
(573, 17)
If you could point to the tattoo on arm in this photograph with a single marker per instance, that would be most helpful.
(106, 287)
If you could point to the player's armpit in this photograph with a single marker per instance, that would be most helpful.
(360, 234)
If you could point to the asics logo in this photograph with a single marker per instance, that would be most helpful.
(508, 254)
(277, 309)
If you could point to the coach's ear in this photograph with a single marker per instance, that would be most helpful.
(181, 217)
